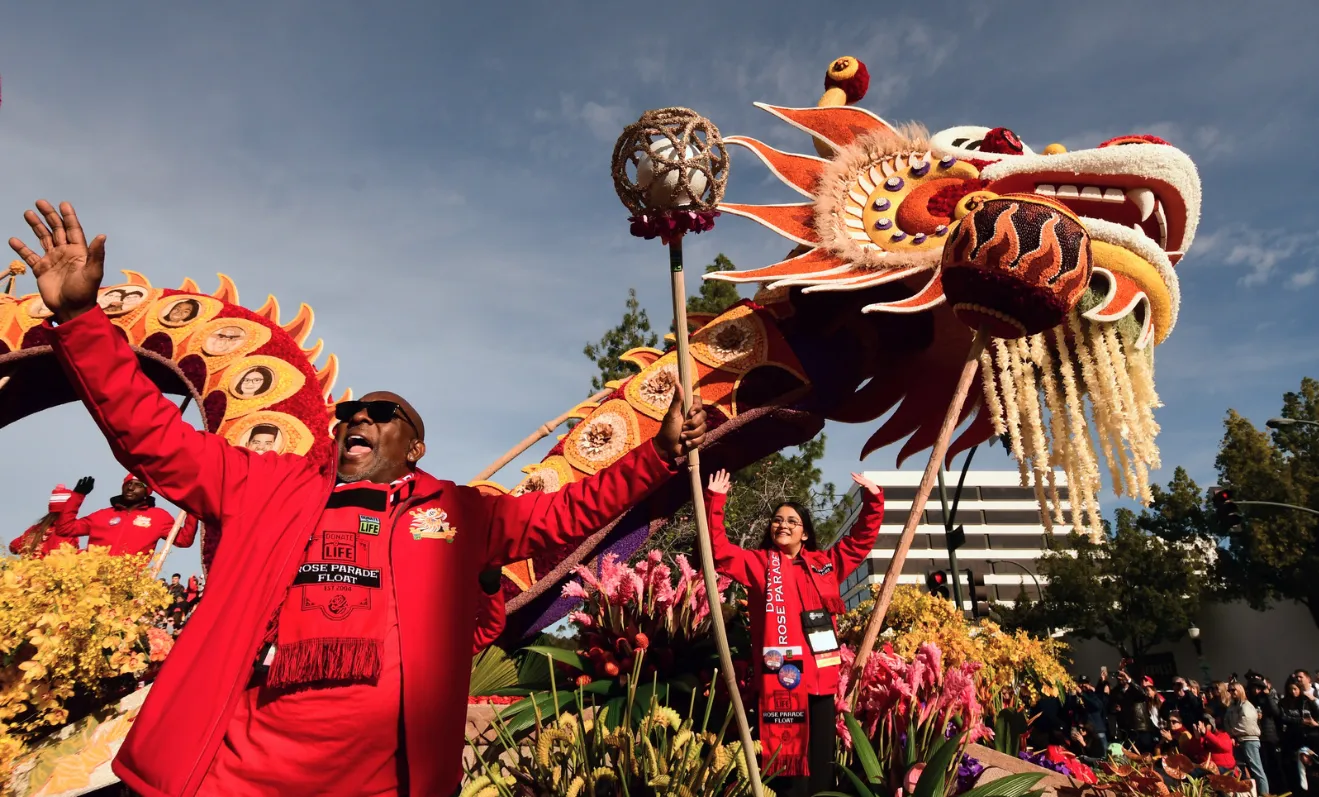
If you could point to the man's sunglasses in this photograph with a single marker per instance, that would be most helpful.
(378, 411)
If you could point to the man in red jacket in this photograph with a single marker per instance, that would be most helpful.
(356, 596)
(132, 524)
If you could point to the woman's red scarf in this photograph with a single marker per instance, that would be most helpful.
(784, 728)
(333, 621)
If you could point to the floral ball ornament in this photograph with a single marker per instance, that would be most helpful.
(670, 169)
(1016, 264)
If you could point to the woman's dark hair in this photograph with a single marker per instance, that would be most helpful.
(39, 532)
(807, 527)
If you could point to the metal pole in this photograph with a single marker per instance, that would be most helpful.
(952, 552)
(1280, 506)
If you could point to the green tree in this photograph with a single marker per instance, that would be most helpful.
(631, 333)
(1271, 556)
(759, 488)
(715, 296)
(1274, 554)
(1132, 590)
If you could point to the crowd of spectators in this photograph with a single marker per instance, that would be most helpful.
(1240, 723)
(186, 597)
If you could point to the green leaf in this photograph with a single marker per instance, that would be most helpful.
(861, 789)
(526, 717)
(615, 708)
(1011, 786)
(865, 752)
(512, 691)
(934, 779)
(492, 669)
(560, 655)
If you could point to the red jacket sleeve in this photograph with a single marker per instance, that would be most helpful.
(520, 526)
(490, 620)
(68, 524)
(1217, 742)
(187, 532)
(849, 552)
(729, 559)
(145, 431)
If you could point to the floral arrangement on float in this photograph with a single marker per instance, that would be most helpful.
(1173, 775)
(643, 621)
(76, 634)
(1008, 662)
(642, 746)
(912, 721)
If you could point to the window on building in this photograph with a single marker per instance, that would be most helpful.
(1012, 517)
(1007, 493)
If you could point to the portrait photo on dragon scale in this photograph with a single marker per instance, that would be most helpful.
(932, 409)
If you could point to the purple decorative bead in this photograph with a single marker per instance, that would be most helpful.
(883, 224)
(893, 184)
(898, 236)
(918, 238)
(947, 161)
(880, 204)
(920, 170)
(942, 229)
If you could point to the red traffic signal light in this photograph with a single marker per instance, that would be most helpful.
(1226, 509)
(937, 581)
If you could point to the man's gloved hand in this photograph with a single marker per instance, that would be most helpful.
(84, 485)
(490, 581)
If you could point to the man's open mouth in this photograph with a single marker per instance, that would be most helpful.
(355, 445)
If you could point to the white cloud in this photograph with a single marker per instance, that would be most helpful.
(604, 120)
(1304, 279)
(1204, 143)
(1260, 252)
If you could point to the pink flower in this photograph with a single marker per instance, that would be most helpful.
(581, 618)
(574, 589)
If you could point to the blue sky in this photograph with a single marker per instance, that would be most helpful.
(434, 180)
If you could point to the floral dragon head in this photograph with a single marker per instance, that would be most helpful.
(882, 203)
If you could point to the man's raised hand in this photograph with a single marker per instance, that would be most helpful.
(69, 270)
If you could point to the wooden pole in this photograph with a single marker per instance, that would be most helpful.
(932, 469)
(530, 440)
(169, 542)
(702, 525)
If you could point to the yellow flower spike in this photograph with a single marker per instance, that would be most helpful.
(669, 716)
(575, 788)
(473, 788)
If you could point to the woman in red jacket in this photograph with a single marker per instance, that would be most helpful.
(793, 596)
(40, 538)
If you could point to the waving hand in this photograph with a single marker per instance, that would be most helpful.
(69, 270)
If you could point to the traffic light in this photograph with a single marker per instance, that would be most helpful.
(937, 582)
(979, 594)
(1228, 514)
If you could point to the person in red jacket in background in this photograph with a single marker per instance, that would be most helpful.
(132, 524)
(333, 656)
(793, 598)
(490, 616)
(40, 538)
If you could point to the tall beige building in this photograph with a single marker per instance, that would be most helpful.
(1001, 518)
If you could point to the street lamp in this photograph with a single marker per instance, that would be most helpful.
(1194, 633)
(1282, 423)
